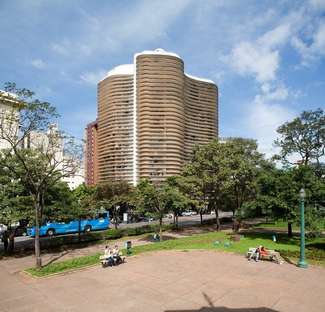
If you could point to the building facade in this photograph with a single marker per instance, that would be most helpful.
(75, 179)
(9, 118)
(91, 154)
(150, 116)
(52, 142)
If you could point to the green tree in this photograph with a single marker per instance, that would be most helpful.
(304, 136)
(112, 196)
(58, 202)
(207, 178)
(278, 193)
(243, 161)
(153, 200)
(177, 201)
(15, 203)
(37, 165)
(222, 175)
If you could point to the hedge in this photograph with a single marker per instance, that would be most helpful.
(85, 238)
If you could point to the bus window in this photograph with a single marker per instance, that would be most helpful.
(102, 215)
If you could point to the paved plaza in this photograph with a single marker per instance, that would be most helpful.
(168, 281)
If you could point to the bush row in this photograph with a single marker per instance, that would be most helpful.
(109, 234)
(311, 253)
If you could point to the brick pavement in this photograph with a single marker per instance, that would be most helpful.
(172, 281)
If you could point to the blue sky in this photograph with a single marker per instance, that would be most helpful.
(267, 57)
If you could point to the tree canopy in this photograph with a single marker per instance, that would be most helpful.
(34, 153)
(304, 136)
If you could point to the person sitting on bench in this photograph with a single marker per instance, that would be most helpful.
(255, 254)
(271, 254)
(117, 255)
(107, 258)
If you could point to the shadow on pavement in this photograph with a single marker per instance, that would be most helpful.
(150, 238)
(225, 309)
(212, 308)
(55, 258)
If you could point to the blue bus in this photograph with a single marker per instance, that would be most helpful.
(100, 222)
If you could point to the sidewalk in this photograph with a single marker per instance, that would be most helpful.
(171, 281)
(18, 263)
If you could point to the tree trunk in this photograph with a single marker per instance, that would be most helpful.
(234, 222)
(217, 219)
(11, 245)
(41, 208)
(115, 217)
(5, 241)
(201, 217)
(160, 229)
(176, 223)
(79, 230)
(116, 225)
(37, 237)
(289, 229)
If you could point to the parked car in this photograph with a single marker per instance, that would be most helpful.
(21, 231)
(3, 228)
(51, 228)
(187, 213)
(19, 227)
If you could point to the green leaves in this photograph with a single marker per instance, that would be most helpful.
(304, 136)
(222, 175)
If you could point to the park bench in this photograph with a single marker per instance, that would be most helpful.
(271, 255)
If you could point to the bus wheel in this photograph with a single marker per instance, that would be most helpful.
(50, 232)
(87, 228)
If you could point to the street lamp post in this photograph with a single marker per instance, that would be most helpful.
(302, 262)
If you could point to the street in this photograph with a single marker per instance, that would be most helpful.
(23, 242)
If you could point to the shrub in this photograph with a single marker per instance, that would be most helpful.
(314, 222)
(113, 234)
(311, 253)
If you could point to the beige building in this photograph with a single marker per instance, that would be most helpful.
(52, 142)
(9, 116)
(91, 154)
(150, 116)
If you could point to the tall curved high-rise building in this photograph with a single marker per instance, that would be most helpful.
(151, 114)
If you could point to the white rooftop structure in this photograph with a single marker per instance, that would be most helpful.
(128, 69)
(158, 51)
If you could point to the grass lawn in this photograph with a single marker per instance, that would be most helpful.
(207, 241)
(278, 224)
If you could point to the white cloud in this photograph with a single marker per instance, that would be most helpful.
(62, 48)
(273, 92)
(318, 4)
(252, 59)
(38, 63)
(267, 112)
(275, 37)
(141, 22)
(93, 77)
(264, 118)
(261, 58)
(43, 92)
(315, 49)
